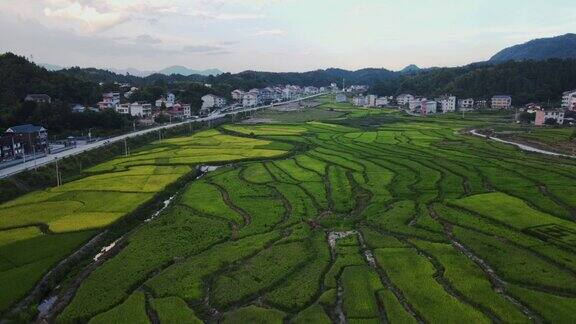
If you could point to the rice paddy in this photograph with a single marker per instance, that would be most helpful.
(406, 221)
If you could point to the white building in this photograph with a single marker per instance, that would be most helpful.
(569, 100)
(415, 103)
(211, 101)
(359, 101)
(310, 90)
(501, 102)
(448, 104)
(371, 100)
(555, 114)
(467, 103)
(180, 111)
(404, 99)
(237, 94)
(135, 109)
(429, 107)
(340, 97)
(109, 100)
(382, 102)
(168, 101)
(251, 99)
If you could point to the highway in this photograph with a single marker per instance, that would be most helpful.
(50, 158)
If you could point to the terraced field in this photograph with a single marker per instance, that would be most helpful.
(39, 229)
(406, 222)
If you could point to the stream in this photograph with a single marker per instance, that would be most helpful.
(523, 147)
(46, 306)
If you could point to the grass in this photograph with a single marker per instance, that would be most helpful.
(173, 310)
(395, 313)
(254, 314)
(360, 285)
(471, 282)
(262, 271)
(413, 274)
(131, 311)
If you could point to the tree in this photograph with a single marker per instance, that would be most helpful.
(551, 122)
(526, 117)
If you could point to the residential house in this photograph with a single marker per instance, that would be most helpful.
(428, 107)
(310, 90)
(38, 98)
(359, 101)
(501, 102)
(448, 103)
(340, 97)
(237, 94)
(382, 102)
(467, 103)
(211, 101)
(10, 148)
(180, 111)
(123, 109)
(481, 104)
(130, 92)
(34, 139)
(109, 100)
(554, 114)
(267, 95)
(569, 100)
(415, 103)
(135, 109)
(404, 99)
(77, 108)
(251, 99)
(371, 100)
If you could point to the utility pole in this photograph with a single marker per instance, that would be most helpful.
(134, 126)
(125, 147)
(57, 174)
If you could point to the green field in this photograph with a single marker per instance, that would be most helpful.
(363, 215)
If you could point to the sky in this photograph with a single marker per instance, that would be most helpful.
(274, 35)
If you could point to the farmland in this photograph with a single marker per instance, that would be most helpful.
(365, 216)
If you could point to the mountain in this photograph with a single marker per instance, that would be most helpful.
(563, 47)
(182, 70)
(526, 81)
(410, 69)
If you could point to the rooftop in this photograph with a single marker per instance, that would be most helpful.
(25, 129)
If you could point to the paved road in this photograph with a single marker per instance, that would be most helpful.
(28, 165)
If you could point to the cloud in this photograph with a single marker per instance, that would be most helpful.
(91, 19)
(147, 39)
(270, 32)
(206, 49)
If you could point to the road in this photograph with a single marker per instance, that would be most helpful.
(29, 165)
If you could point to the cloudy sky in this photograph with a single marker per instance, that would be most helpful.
(274, 35)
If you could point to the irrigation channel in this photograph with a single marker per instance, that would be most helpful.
(523, 147)
(55, 300)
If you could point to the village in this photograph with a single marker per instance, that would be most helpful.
(26, 142)
(414, 105)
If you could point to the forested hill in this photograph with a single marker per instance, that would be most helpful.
(19, 77)
(243, 80)
(562, 47)
(526, 81)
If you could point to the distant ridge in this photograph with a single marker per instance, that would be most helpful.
(175, 69)
(562, 47)
(410, 68)
(182, 70)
